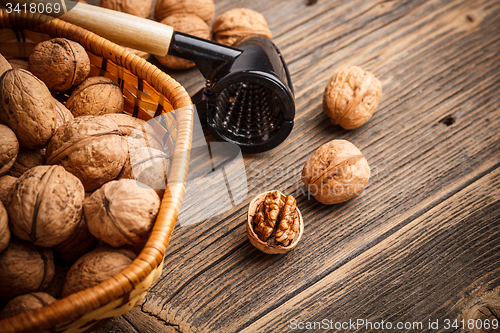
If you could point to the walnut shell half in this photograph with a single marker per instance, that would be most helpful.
(45, 205)
(237, 23)
(336, 172)
(351, 97)
(287, 228)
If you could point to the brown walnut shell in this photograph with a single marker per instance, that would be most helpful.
(4, 228)
(137, 131)
(60, 63)
(26, 159)
(18, 63)
(77, 244)
(6, 184)
(148, 166)
(45, 205)
(9, 149)
(121, 212)
(4, 65)
(237, 23)
(92, 148)
(27, 108)
(351, 97)
(205, 9)
(26, 303)
(96, 267)
(270, 246)
(336, 172)
(187, 23)
(141, 8)
(63, 114)
(24, 268)
(96, 96)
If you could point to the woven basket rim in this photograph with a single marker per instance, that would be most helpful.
(74, 306)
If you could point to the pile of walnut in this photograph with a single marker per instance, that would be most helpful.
(194, 17)
(70, 199)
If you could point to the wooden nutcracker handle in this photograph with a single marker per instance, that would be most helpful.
(121, 28)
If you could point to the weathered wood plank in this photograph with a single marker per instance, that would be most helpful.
(434, 268)
(436, 59)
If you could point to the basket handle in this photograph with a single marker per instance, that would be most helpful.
(121, 28)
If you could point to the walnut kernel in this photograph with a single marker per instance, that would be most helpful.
(336, 172)
(237, 23)
(274, 223)
(351, 97)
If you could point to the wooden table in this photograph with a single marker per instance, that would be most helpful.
(420, 244)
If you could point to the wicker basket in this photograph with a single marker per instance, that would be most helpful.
(148, 92)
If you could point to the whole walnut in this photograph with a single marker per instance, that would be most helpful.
(92, 148)
(77, 244)
(26, 159)
(4, 65)
(4, 228)
(141, 8)
(148, 166)
(18, 63)
(60, 63)
(121, 212)
(27, 107)
(9, 149)
(137, 131)
(6, 183)
(237, 23)
(95, 267)
(24, 268)
(351, 97)
(45, 205)
(26, 303)
(205, 9)
(63, 114)
(336, 172)
(274, 223)
(96, 96)
(187, 23)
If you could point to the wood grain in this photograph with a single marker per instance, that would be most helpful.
(433, 145)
